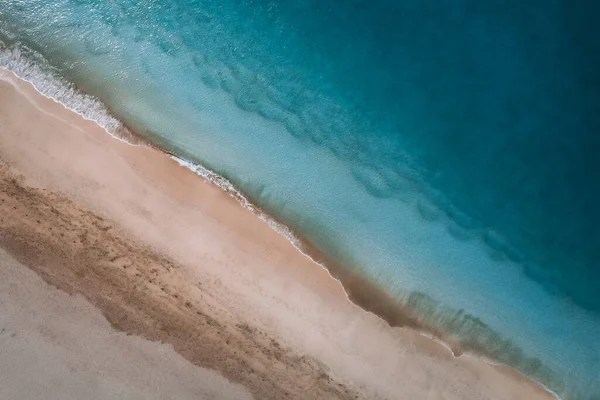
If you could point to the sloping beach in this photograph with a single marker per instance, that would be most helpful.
(191, 283)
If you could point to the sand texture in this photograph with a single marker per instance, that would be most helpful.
(57, 346)
(155, 283)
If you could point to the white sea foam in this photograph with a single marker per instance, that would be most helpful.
(31, 67)
(230, 189)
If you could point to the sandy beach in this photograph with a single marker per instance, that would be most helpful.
(125, 275)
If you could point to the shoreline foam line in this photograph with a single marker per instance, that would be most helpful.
(226, 186)
(55, 88)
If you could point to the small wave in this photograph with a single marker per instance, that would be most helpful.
(230, 189)
(30, 66)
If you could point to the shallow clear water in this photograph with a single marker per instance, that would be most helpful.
(445, 149)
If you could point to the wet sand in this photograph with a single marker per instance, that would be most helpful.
(173, 261)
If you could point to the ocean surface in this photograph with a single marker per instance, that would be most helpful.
(448, 151)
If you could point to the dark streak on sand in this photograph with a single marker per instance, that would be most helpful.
(146, 294)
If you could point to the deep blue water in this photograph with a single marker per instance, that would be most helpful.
(448, 150)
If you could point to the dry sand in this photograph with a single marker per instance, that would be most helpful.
(166, 257)
(56, 346)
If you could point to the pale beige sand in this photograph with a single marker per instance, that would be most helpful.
(57, 346)
(218, 284)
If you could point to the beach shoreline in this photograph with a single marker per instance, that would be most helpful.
(169, 189)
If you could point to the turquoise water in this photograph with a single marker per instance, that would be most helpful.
(447, 150)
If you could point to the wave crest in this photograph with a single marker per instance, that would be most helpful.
(33, 68)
